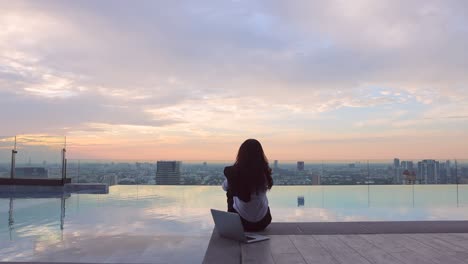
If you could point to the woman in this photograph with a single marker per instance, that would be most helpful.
(246, 184)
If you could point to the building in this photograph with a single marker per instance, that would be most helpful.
(428, 172)
(300, 166)
(168, 173)
(31, 173)
(410, 177)
(464, 172)
(315, 179)
(275, 165)
(407, 165)
(448, 172)
(396, 171)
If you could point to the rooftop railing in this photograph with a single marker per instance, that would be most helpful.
(33, 157)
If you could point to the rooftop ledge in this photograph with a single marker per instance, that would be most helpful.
(291, 241)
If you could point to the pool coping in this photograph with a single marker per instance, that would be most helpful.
(221, 250)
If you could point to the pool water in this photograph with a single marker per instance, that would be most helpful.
(32, 226)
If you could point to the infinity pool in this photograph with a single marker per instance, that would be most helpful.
(173, 224)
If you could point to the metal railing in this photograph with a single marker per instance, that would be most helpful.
(33, 157)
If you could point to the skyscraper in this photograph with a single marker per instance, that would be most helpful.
(406, 165)
(300, 166)
(315, 179)
(428, 171)
(448, 172)
(168, 173)
(396, 171)
(275, 164)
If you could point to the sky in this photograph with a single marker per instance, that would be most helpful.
(191, 80)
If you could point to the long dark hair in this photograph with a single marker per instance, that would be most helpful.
(252, 166)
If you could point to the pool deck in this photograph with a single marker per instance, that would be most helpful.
(409, 242)
(414, 242)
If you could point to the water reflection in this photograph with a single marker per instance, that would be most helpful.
(11, 218)
(183, 211)
(300, 201)
(169, 210)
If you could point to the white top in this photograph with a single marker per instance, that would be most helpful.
(252, 211)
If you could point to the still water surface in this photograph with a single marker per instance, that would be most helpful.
(183, 211)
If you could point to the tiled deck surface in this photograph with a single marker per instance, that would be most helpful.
(443, 242)
(376, 242)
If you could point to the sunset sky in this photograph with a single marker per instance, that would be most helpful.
(191, 80)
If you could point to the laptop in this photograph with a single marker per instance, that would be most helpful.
(229, 225)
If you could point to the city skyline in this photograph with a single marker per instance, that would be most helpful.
(311, 80)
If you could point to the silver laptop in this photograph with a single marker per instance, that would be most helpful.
(229, 225)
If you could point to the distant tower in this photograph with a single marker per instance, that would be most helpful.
(448, 172)
(404, 165)
(428, 171)
(168, 173)
(275, 165)
(396, 171)
(300, 166)
(316, 179)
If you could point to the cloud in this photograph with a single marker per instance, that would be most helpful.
(30, 114)
(190, 70)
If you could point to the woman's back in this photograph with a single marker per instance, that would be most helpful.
(246, 184)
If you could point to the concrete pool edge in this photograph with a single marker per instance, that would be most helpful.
(367, 227)
(229, 251)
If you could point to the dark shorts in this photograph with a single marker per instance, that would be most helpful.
(254, 226)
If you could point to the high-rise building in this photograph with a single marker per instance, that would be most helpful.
(168, 173)
(455, 172)
(275, 165)
(410, 177)
(300, 166)
(396, 171)
(448, 172)
(443, 173)
(406, 165)
(428, 171)
(464, 172)
(315, 179)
